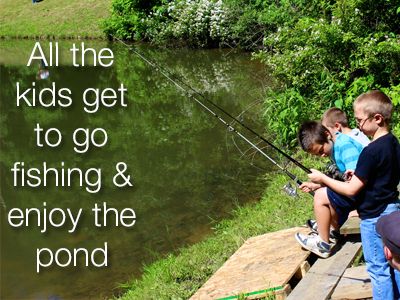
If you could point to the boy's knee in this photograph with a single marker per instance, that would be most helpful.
(321, 197)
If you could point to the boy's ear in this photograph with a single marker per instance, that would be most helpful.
(328, 134)
(388, 253)
(379, 119)
(338, 126)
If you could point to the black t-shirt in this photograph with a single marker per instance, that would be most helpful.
(378, 165)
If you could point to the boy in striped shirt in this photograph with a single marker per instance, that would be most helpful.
(330, 208)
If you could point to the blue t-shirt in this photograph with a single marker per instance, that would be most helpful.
(346, 151)
(379, 167)
(360, 137)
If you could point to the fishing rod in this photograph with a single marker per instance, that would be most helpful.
(191, 92)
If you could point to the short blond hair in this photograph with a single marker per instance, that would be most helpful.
(334, 115)
(375, 102)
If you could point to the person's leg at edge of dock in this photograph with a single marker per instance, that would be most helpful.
(385, 284)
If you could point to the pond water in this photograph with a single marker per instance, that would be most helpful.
(187, 170)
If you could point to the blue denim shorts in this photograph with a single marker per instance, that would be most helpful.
(341, 204)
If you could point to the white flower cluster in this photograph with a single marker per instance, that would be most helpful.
(198, 19)
(218, 22)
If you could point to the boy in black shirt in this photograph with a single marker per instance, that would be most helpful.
(374, 185)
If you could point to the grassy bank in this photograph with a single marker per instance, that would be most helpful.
(179, 276)
(53, 18)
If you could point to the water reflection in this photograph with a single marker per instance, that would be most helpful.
(186, 170)
(43, 73)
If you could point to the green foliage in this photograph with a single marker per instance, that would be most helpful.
(365, 17)
(207, 23)
(127, 18)
(291, 106)
(330, 61)
(198, 23)
(253, 20)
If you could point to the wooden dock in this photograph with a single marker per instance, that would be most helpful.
(264, 264)
(322, 278)
(275, 264)
(354, 284)
(351, 226)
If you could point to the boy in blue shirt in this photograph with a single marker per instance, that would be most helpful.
(374, 186)
(336, 121)
(330, 208)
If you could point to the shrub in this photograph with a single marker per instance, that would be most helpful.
(329, 62)
(197, 23)
(207, 23)
(127, 18)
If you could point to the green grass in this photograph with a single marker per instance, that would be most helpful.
(53, 18)
(178, 276)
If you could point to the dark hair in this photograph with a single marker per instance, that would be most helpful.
(310, 133)
(333, 115)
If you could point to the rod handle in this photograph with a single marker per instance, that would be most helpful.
(299, 182)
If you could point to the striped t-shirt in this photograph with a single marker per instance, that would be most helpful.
(346, 151)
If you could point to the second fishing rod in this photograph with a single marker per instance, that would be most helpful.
(195, 95)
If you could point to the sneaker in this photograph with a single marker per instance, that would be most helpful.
(313, 243)
(333, 240)
(334, 235)
(312, 224)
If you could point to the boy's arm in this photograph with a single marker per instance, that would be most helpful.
(349, 188)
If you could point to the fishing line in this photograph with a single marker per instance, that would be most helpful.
(244, 154)
(248, 39)
(191, 93)
(252, 155)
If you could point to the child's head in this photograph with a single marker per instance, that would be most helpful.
(335, 120)
(372, 110)
(315, 138)
(387, 227)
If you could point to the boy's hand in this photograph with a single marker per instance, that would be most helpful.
(348, 174)
(316, 176)
(307, 187)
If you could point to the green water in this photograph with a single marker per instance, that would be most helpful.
(187, 170)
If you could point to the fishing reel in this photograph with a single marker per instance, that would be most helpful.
(332, 171)
(290, 190)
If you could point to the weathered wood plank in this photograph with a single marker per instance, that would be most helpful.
(321, 279)
(302, 270)
(261, 263)
(351, 226)
(354, 284)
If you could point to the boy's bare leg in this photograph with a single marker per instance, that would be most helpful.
(322, 213)
(334, 218)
